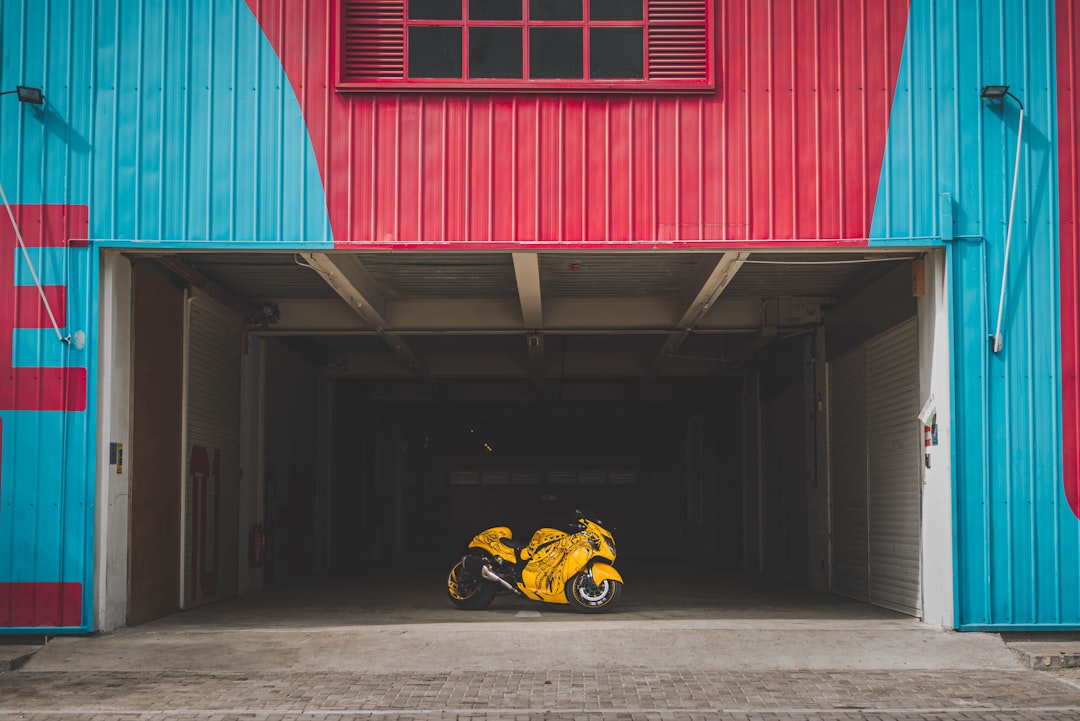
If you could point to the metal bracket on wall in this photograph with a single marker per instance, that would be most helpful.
(33, 270)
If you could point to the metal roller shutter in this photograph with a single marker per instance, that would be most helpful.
(211, 493)
(875, 509)
(847, 448)
(893, 482)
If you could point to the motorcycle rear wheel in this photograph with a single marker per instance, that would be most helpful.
(587, 596)
(468, 591)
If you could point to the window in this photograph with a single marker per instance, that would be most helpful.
(532, 45)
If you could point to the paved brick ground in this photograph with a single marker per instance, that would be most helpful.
(552, 696)
(724, 650)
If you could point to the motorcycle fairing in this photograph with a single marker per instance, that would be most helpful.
(605, 572)
(541, 538)
(491, 541)
(544, 577)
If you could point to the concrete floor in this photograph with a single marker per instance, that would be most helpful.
(668, 618)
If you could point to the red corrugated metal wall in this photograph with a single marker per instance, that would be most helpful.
(789, 147)
(1068, 56)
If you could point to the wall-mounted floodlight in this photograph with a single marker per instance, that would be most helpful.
(998, 93)
(995, 92)
(31, 96)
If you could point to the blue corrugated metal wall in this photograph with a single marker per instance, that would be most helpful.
(1017, 541)
(198, 138)
(46, 456)
(174, 124)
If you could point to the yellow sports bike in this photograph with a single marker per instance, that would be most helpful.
(553, 567)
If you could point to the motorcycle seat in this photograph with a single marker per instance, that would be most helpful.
(513, 543)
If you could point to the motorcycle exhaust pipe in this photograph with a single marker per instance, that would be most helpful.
(489, 575)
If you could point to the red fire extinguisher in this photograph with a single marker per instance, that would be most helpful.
(257, 545)
(927, 441)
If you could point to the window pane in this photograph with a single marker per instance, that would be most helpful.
(494, 9)
(495, 52)
(616, 53)
(434, 10)
(434, 52)
(556, 53)
(615, 9)
(555, 10)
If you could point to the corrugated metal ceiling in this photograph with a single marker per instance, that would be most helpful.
(442, 275)
(255, 277)
(795, 274)
(435, 276)
(615, 275)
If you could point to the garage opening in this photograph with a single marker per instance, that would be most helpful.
(741, 410)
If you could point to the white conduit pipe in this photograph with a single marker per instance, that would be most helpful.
(30, 265)
(998, 341)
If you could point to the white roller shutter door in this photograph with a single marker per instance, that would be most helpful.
(875, 496)
(893, 478)
(211, 536)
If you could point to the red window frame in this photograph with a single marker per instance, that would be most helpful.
(677, 49)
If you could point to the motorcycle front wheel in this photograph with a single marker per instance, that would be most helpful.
(468, 591)
(587, 596)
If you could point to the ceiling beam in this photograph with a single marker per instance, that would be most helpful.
(194, 278)
(713, 274)
(350, 280)
(527, 273)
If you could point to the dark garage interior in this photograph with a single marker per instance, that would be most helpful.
(409, 400)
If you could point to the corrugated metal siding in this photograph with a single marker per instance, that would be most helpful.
(46, 457)
(1018, 542)
(46, 430)
(197, 135)
(790, 147)
(212, 487)
(44, 156)
(1068, 76)
(172, 122)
